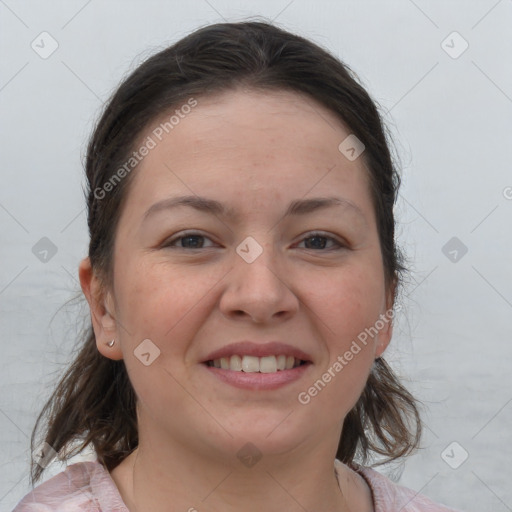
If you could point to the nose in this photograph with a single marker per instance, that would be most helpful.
(259, 291)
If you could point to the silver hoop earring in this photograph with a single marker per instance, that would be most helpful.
(111, 343)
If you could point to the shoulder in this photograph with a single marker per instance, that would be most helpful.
(389, 496)
(84, 486)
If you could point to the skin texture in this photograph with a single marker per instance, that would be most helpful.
(255, 152)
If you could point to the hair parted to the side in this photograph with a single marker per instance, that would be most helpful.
(94, 403)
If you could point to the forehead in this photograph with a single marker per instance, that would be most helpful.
(247, 142)
(242, 119)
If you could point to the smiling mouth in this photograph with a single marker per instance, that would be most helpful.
(254, 364)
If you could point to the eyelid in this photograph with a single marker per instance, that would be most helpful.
(341, 243)
(183, 234)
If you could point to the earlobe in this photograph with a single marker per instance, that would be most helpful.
(386, 332)
(103, 322)
(384, 338)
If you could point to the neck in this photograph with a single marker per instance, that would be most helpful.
(151, 481)
(162, 474)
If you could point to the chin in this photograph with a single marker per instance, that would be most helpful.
(272, 435)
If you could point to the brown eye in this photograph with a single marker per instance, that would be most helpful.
(190, 240)
(317, 241)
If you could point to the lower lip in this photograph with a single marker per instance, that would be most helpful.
(257, 380)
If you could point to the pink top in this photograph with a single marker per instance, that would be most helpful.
(88, 487)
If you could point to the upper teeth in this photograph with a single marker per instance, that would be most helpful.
(267, 364)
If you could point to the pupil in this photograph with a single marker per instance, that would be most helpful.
(320, 241)
(192, 237)
(322, 245)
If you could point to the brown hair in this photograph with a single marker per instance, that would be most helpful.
(94, 402)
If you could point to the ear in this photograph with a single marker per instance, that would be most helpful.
(387, 315)
(101, 306)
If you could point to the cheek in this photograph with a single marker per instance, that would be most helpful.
(348, 303)
(163, 303)
(160, 304)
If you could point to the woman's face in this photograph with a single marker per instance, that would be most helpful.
(250, 277)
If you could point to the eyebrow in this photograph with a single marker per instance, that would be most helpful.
(206, 205)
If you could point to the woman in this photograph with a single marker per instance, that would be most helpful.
(241, 277)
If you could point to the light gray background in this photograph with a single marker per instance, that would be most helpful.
(451, 119)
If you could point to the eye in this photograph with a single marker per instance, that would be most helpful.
(318, 241)
(190, 240)
(195, 240)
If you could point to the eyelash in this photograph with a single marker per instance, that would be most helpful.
(313, 234)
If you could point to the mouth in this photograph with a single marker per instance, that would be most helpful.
(254, 364)
(258, 366)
